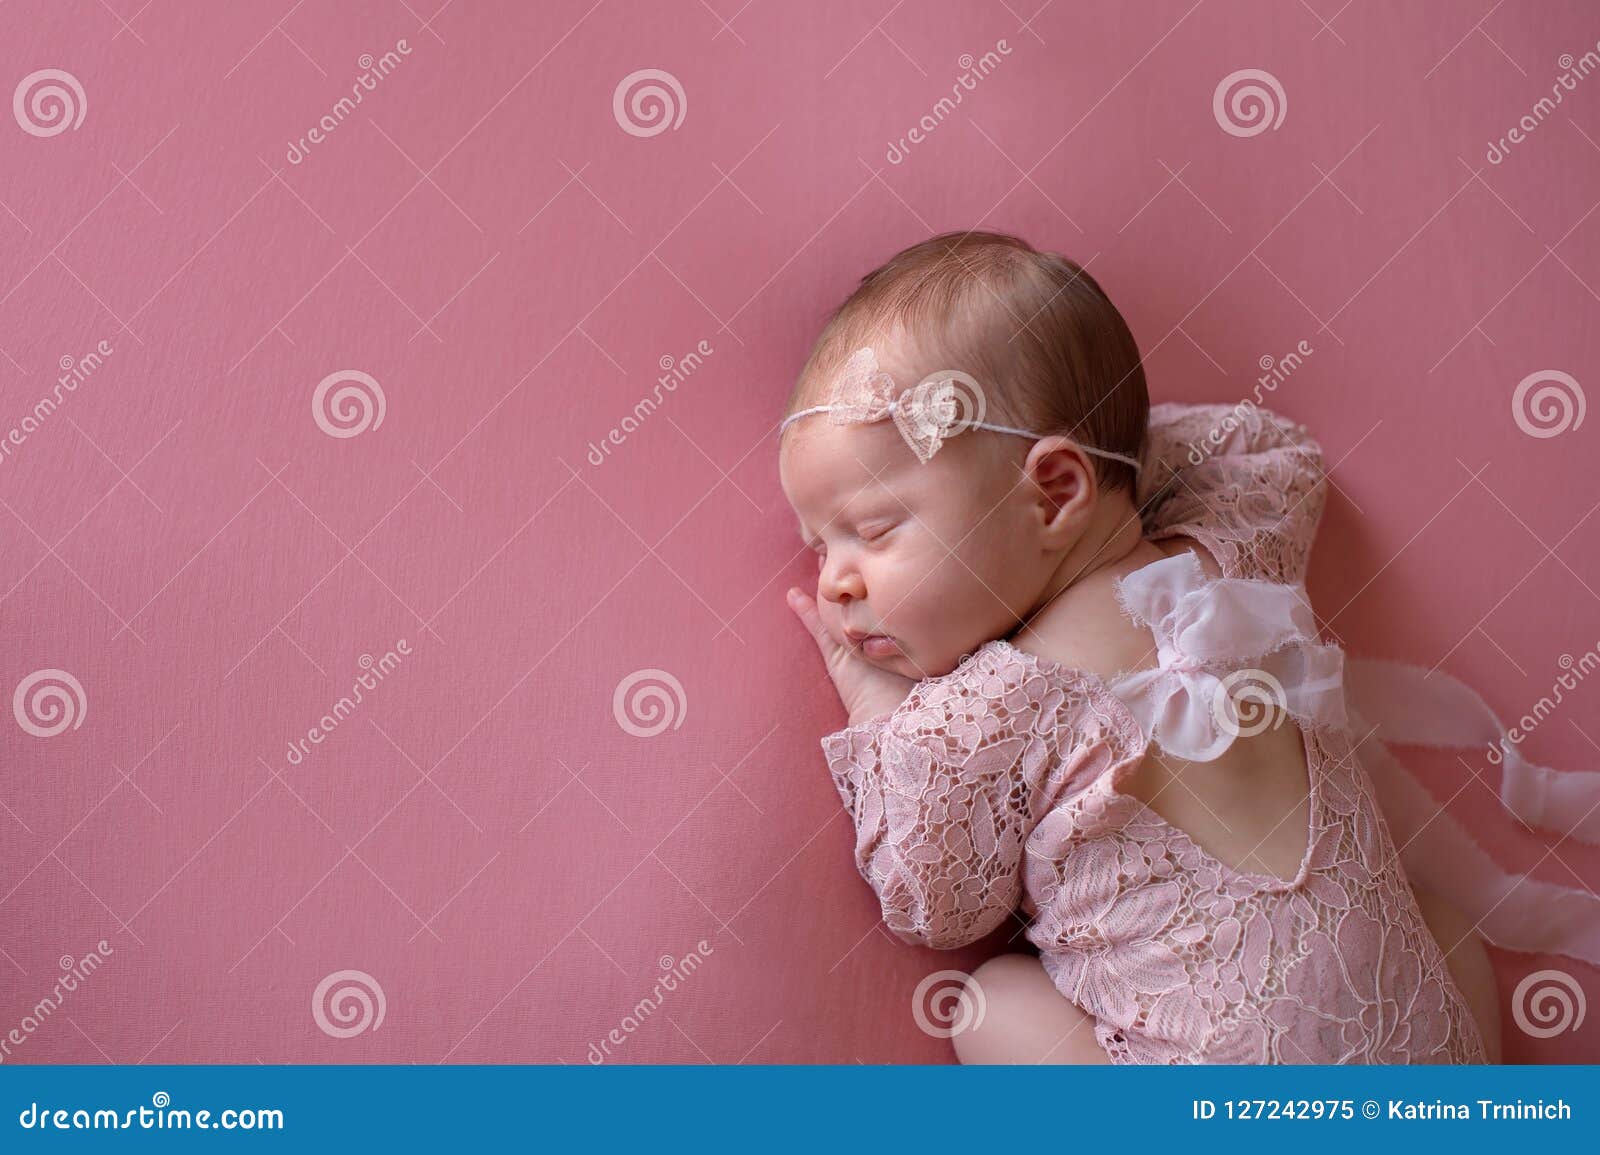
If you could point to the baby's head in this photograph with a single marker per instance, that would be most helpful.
(923, 561)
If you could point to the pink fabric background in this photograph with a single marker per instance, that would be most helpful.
(482, 237)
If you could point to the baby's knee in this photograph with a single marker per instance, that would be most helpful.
(1016, 1015)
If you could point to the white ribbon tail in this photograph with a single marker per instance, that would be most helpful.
(1410, 706)
(1413, 707)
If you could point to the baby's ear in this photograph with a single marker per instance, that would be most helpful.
(1064, 479)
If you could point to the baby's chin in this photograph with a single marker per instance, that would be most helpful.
(899, 663)
(921, 665)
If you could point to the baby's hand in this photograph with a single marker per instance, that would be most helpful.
(866, 691)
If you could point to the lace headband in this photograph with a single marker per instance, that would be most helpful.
(937, 408)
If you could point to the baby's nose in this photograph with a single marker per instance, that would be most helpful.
(841, 586)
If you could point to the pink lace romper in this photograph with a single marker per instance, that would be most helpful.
(1000, 778)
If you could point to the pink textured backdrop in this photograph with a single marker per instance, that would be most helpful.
(483, 238)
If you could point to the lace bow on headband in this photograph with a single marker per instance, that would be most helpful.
(937, 408)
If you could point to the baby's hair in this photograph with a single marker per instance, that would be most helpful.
(1040, 336)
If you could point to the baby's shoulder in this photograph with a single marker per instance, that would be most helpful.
(1091, 632)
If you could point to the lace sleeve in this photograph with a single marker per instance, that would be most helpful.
(1246, 483)
(944, 792)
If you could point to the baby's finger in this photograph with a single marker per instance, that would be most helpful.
(805, 608)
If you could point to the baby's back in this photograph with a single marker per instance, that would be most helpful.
(1250, 808)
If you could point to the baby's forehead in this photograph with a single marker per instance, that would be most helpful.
(816, 448)
(823, 464)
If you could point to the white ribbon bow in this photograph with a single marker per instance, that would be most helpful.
(1231, 653)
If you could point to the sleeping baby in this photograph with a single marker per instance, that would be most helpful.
(1085, 688)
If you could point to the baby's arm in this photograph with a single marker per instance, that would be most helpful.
(944, 792)
(942, 783)
(1245, 482)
